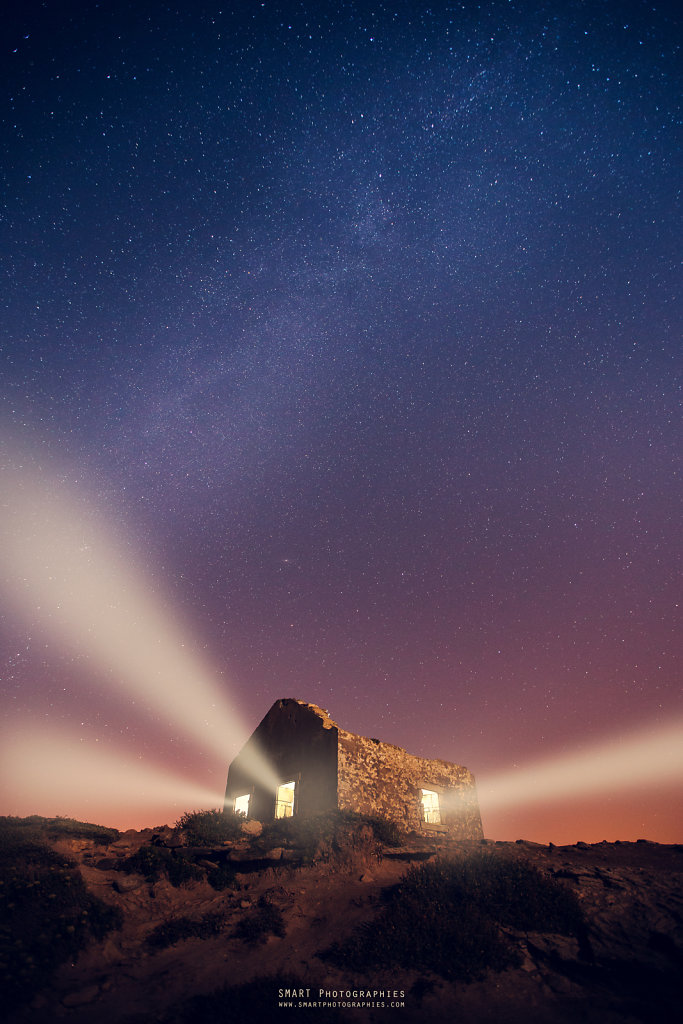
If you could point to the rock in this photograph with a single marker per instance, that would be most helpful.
(551, 947)
(239, 853)
(106, 864)
(168, 837)
(86, 995)
(76, 845)
(121, 846)
(573, 876)
(277, 853)
(252, 828)
(126, 883)
(161, 838)
(277, 893)
(245, 904)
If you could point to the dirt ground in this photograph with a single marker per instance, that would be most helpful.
(626, 969)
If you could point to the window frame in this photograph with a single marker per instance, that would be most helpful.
(431, 810)
(242, 797)
(289, 787)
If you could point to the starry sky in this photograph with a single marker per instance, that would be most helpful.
(361, 321)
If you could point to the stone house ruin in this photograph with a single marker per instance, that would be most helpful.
(316, 766)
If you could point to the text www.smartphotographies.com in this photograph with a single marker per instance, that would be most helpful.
(306, 998)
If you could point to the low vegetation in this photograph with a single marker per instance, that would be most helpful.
(338, 836)
(255, 927)
(46, 913)
(37, 828)
(156, 862)
(209, 828)
(447, 917)
(221, 876)
(177, 929)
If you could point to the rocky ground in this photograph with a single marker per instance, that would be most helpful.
(625, 968)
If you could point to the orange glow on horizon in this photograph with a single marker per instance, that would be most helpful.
(621, 788)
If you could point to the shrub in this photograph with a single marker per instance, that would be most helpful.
(221, 877)
(149, 861)
(386, 832)
(336, 836)
(181, 870)
(179, 928)
(155, 862)
(265, 920)
(207, 828)
(446, 917)
(46, 915)
(509, 890)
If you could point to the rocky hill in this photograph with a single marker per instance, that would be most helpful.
(287, 925)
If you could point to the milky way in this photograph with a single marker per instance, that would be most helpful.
(363, 320)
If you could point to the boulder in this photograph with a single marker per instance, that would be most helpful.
(252, 828)
(168, 837)
(106, 864)
(127, 883)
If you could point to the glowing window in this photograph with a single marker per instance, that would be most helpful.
(284, 800)
(430, 807)
(242, 804)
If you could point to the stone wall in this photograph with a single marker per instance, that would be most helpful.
(334, 768)
(299, 743)
(379, 778)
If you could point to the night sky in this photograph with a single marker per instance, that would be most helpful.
(359, 326)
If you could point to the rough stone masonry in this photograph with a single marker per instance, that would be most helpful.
(322, 767)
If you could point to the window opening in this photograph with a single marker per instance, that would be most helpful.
(284, 800)
(430, 807)
(242, 804)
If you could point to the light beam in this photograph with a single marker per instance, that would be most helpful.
(64, 571)
(642, 759)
